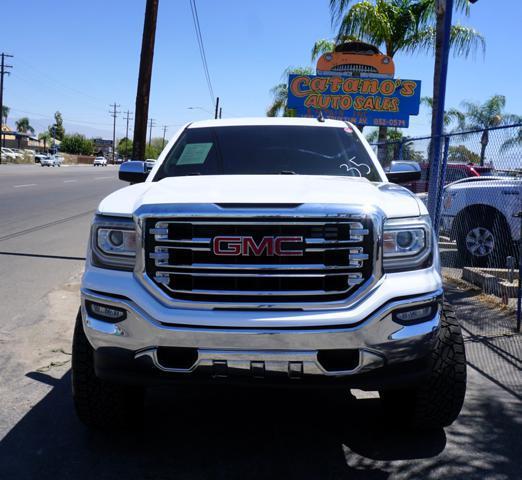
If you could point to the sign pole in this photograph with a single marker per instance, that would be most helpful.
(446, 8)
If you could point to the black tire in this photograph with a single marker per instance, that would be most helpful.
(100, 404)
(488, 223)
(438, 401)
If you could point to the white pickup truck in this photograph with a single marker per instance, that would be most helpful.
(482, 215)
(265, 251)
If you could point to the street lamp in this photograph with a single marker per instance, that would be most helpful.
(200, 108)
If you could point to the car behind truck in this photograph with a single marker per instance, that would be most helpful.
(265, 251)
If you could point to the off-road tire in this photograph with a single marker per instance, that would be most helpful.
(495, 223)
(100, 404)
(438, 400)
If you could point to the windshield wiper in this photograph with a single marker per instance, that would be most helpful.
(287, 172)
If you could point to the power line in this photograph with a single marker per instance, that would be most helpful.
(114, 113)
(3, 71)
(201, 46)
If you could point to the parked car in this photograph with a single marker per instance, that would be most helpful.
(480, 213)
(303, 265)
(8, 154)
(16, 152)
(51, 161)
(454, 172)
(149, 164)
(100, 162)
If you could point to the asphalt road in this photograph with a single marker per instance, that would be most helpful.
(44, 224)
(222, 434)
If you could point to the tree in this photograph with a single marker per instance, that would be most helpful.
(398, 26)
(280, 93)
(125, 147)
(512, 142)
(23, 125)
(450, 116)
(5, 113)
(484, 116)
(77, 144)
(57, 130)
(397, 146)
(462, 154)
(46, 137)
(325, 46)
(154, 149)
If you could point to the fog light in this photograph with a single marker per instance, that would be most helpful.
(414, 315)
(104, 312)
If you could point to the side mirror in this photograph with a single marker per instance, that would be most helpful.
(133, 171)
(403, 177)
(403, 171)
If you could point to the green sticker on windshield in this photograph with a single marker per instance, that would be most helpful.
(194, 154)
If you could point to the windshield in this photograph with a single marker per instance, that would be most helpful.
(268, 149)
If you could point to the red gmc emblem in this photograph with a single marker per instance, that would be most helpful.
(270, 246)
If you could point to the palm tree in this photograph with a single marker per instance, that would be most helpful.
(325, 46)
(5, 113)
(399, 26)
(397, 145)
(451, 115)
(484, 116)
(512, 142)
(280, 93)
(23, 125)
(46, 137)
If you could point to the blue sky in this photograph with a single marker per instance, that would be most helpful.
(79, 56)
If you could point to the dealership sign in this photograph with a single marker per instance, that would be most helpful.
(363, 101)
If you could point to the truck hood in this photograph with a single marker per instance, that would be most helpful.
(393, 200)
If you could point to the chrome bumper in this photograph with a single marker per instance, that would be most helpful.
(294, 352)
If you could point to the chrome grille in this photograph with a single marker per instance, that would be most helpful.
(354, 67)
(336, 259)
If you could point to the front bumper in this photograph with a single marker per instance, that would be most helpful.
(372, 353)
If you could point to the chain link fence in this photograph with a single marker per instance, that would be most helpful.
(475, 200)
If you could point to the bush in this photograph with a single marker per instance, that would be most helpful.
(77, 144)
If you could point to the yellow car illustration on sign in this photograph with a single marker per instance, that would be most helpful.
(356, 59)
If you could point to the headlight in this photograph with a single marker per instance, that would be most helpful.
(116, 241)
(407, 244)
(113, 243)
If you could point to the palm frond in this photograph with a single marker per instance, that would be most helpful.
(337, 8)
(367, 22)
(512, 142)
(465, 41)
(322, 46)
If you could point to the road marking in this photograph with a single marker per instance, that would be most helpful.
(26, 185)
(102, 178)
(69, 181)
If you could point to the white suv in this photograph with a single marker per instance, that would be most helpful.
(269, 250)
(482, 215)
(100, 162)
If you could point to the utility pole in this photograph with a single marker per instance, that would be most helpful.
(114, 113)
(151, 124)
(3, 71)
(164, 132)
(127, 118)
(144, 80)
(220, 111)
(217, 108)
